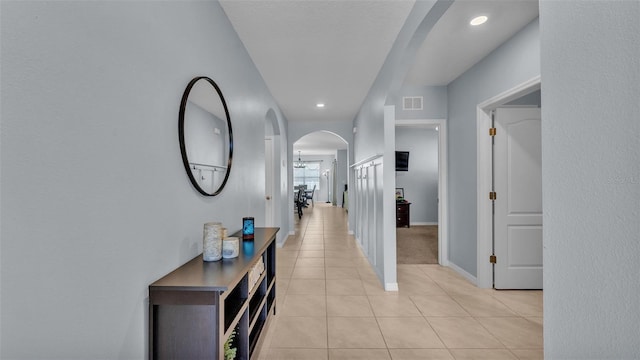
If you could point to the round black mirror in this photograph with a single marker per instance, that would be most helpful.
(206, 138)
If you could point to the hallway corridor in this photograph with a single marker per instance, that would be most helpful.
(331, 305)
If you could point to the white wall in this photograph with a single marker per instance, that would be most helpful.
(343, 175)
(420, 183)
(96, 204)
(514, 62)
(590, 54)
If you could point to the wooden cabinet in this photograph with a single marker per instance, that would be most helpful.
(402, 214)
(194, 309)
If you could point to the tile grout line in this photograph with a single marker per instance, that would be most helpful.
(328, 244)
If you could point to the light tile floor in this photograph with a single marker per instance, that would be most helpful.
(331, 305)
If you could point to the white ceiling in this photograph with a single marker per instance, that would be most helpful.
(453, 46)
(318, 51)
(331, 51)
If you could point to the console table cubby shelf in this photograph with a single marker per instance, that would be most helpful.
(194, 309)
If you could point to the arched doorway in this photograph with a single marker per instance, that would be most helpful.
(273, 172)
(324, 155)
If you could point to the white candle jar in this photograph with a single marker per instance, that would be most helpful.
(212, 242)
(230, 247)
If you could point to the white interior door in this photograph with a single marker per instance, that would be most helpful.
(518, 204)
(268, 181)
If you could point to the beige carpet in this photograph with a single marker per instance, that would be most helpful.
(417, 245)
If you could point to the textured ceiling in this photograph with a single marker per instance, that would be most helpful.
(318, 51)
(331, 51)
(453, 46)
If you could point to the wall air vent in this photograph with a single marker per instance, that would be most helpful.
(412, 103)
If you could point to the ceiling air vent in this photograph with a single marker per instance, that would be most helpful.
(412, 103)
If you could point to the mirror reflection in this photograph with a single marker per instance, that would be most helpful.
(206, 139)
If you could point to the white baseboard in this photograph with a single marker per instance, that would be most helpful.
(424, 223)
(464, 273)
(445, 262)
(387, 286)
(391, 287)
(284, 241)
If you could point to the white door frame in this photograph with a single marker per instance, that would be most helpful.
(443, 197)
(269, 181)
(484, 212)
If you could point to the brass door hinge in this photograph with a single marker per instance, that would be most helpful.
(492, 131)
(492, 259)
(492, 195)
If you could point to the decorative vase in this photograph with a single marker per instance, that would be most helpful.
(212, 242)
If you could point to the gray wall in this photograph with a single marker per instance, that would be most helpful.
(514, 62)
(375, 122)
(434, 104)
(386, 89)
(96, 204)
(590, 53)
(420, 183)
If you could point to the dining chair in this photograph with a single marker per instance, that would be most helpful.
(308, 195)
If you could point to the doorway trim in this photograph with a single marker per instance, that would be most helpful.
(443, 203)
(270, 168)
(484, 278)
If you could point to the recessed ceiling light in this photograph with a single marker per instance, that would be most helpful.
(478, 20)
(320, 105)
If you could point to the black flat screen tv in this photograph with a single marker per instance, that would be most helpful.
(402, 161)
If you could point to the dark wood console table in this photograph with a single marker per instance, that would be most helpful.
(402, 214)
(194, 309)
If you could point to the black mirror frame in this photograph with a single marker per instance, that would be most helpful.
(183, 148)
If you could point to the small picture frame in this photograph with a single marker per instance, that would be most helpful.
(399, 194)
